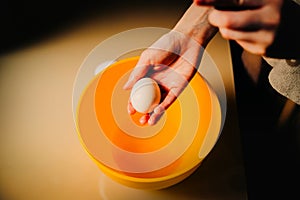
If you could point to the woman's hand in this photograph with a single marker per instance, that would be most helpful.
(171, 61)
(251, 23)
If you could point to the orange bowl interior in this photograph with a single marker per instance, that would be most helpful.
(102, 115)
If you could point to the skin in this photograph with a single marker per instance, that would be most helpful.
(173, 60)
(252, 24)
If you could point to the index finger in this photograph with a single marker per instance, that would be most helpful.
(161, 108)
(137, 73)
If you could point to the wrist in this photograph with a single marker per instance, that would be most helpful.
(194, 23)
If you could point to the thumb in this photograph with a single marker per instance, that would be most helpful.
(138, 72)
(157, 56)
(151, 60)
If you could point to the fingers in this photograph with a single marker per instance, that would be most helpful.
(263, 36)
(160, 55)
(160, 109)
(246, 20)
(144, 119)
(253, 42)
(239, 20)
(130, 108)
(150, 61)
(138, 72)
(253, 48)
(154, 117)
(161, 62)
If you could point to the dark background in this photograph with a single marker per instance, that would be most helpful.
(24, 22)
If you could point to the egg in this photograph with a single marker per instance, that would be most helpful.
(145, 95)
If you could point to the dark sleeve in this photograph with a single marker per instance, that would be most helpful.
(287, 40)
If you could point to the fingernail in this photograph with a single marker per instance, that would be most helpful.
(151, 122)
(127, 84)
(130, 110)
(142, 121)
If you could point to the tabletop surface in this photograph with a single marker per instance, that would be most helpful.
(41, 155)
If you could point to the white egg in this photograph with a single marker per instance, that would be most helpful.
(145, 95)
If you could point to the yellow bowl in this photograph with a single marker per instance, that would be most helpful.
(146, 157)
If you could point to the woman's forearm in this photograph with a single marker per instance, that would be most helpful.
(194, 23)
